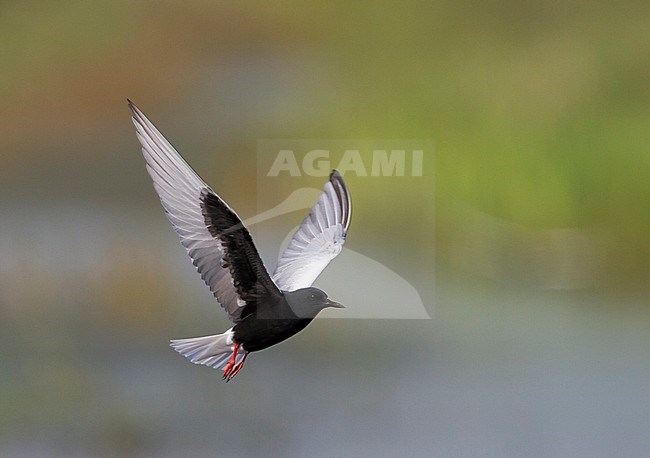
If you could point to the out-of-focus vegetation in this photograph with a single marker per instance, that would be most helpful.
(533, 213)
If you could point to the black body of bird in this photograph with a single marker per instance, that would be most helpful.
(276, 319)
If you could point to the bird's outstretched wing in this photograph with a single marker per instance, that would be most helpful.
(215, 238)
(318, 240)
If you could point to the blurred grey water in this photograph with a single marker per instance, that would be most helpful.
(500, 370)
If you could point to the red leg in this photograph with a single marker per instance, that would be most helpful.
(237, 368)
(231, 363)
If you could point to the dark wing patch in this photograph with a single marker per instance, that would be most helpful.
(241, 258)
(343, 197)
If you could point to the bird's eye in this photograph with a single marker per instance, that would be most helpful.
(312, 297)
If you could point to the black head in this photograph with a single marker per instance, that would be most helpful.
(307, 302)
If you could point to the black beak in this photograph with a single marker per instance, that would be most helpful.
(331, 303)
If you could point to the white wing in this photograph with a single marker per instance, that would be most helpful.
(182, 193)
(318, 240)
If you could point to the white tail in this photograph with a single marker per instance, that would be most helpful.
(214, 351)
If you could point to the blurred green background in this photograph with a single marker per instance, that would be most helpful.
(533, 258)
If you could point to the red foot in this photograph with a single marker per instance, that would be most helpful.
(227, 371)
(231, 369)
(237, 368)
